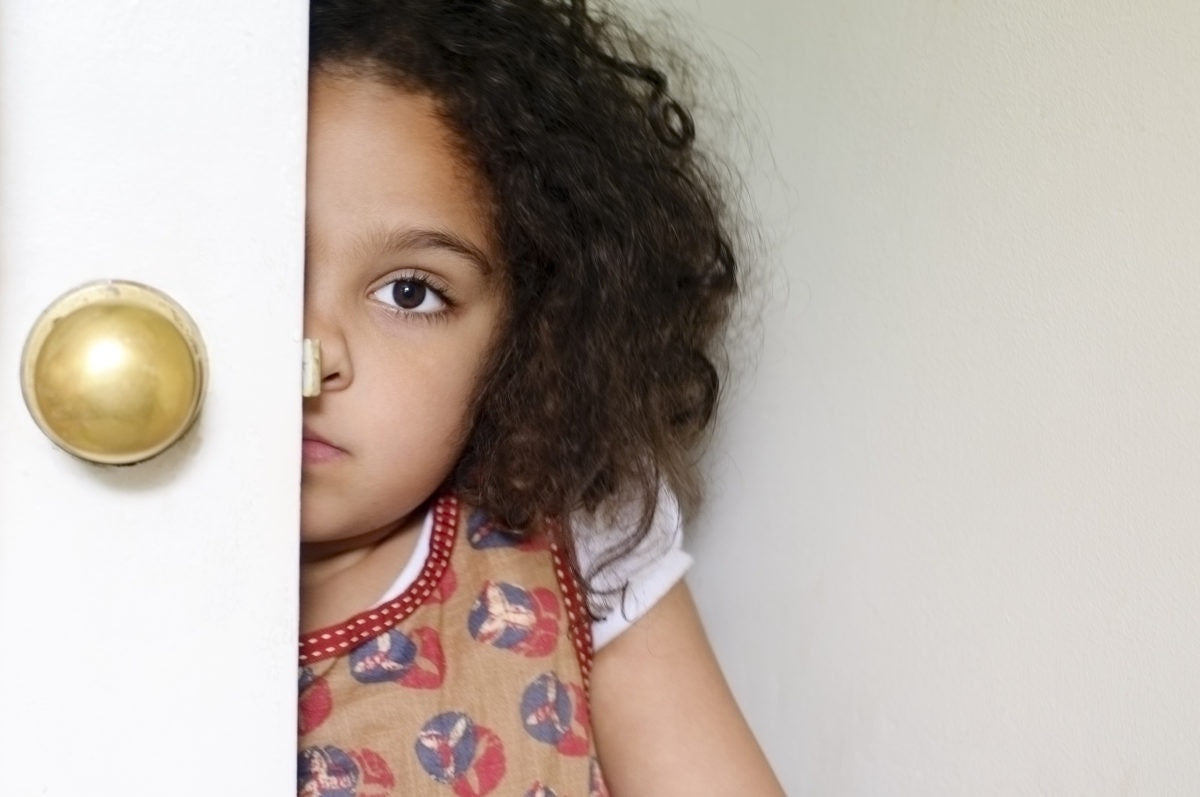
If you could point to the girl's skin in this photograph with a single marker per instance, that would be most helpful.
(403, 291)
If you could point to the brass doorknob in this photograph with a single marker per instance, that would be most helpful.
(113, 372)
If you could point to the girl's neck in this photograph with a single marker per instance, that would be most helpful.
(337, 584)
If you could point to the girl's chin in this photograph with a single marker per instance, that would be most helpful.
(322, 537)
(316, 548)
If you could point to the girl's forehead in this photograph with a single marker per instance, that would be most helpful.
(384, 158)
(379, 119)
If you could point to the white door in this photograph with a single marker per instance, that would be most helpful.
(147, 613)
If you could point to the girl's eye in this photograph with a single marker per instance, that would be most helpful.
(411, 295)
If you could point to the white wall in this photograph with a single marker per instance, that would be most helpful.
(952, 546)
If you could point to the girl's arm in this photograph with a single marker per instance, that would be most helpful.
(664, 718)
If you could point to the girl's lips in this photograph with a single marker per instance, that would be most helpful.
(317, 449)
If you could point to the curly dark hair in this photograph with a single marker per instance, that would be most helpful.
(620, 273)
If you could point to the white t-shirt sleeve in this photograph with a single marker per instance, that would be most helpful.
(624, 590)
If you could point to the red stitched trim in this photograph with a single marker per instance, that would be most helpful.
(579, 619)
(335, 640)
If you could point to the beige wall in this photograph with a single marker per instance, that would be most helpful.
(953, 544)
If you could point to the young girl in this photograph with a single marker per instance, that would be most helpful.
(516, 268)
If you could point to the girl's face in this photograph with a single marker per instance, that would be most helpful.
(403, 291)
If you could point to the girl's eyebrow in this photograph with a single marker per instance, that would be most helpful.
(407, 239)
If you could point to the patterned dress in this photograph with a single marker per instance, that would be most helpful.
(473, 681)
